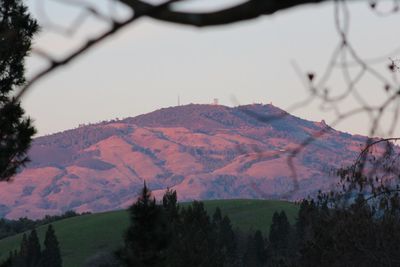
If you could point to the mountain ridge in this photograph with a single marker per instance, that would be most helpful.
(202, 151)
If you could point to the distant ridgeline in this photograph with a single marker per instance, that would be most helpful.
(201, 151)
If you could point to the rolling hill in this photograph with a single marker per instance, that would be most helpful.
(202, 151)
(84, 236)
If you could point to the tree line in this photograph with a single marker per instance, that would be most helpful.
(324, 234)
(167, 234)
(30, 253)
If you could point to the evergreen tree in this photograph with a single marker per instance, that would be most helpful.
(145, 240)
(225, 237)
(195, 242)
(255, 255)
(304, 228)
(305, 220)
(170, 205)
(16, 31)
(171, 210)
(21, 258)
(260, 251)
(274, 232)
(279, 239)
(24, 248)
(250, 257)
(34, 252)
(217, 217)
(279, 231)
(51, 256)
(284, 231)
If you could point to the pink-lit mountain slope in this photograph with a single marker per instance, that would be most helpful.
(202, 151)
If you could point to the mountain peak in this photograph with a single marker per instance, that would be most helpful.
(204, 116)
(202, 151)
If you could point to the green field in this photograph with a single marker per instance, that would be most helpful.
(83, 236)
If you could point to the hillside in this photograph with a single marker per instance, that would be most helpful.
(202, 151)
(83, 236)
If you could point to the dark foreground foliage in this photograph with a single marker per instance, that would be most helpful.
(17, 28)
(31, 254)
(168, 235)
(324, 235)
(358, 235)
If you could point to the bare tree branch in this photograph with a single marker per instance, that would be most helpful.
(245, 11)
(116, 26)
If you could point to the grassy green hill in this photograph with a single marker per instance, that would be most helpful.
(83, 236)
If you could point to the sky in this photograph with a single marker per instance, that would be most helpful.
(149, 64)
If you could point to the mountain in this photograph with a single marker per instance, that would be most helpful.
(202, 151)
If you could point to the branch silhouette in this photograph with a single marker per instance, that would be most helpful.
(248, 10)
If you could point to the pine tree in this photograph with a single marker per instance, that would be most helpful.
(260, 251)
(279, 235)
(24, 248)
(284, 231)
(217, 217)
(225, 237)
(255, 254)
(306, 218)
(250, 254)
(21, 258)
(51, 256)
(279, 231)
(220, 250)
(274, 232)
(34, 252)
(228, 236)
(170, 205)
(171, 212)
(145, 239)
(196, 241)
(16, 31)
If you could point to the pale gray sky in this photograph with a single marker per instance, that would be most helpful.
(146, 66)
